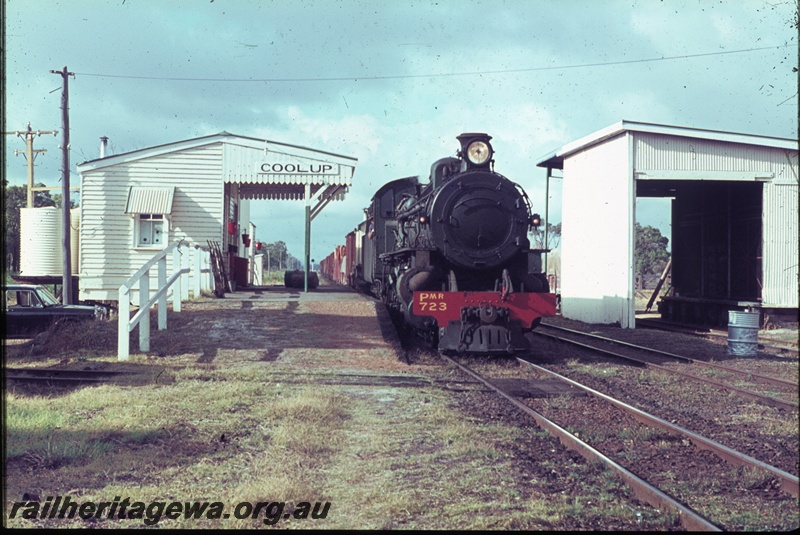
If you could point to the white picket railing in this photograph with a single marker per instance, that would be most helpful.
(180, 258)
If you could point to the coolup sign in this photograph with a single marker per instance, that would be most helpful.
(297, 168)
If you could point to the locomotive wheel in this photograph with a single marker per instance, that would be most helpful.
(420, 323)
(377, 289)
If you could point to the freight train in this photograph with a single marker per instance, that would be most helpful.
(451, 257)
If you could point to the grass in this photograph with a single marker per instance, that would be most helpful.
(746, 513)
(639, 433)
(193, 441)
(771, 420)
(561, 402)
(273, 277)
(232, 432)
(412, 462)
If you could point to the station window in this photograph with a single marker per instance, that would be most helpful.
(150, 230)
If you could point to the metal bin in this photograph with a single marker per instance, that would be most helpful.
(743, 333)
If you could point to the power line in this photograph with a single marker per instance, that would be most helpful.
(437, 75)
(30, 154)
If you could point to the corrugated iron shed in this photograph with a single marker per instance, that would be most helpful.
(723, 266)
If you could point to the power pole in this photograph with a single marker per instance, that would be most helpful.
(30, 154)
(66, 287)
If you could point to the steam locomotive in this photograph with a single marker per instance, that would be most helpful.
(451, 257)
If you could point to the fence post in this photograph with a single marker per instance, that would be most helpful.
(198, 272)
(186, 276)
(123, 317)
(126, 324)
(162, 301)
(185, 264)
(144, 322)
(208, 278)
(176, 290)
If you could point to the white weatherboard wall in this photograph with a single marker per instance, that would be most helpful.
(107, 253)
(595, 266)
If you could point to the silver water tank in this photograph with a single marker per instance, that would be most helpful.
(41, 247)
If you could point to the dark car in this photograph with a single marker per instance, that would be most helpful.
(30, 309)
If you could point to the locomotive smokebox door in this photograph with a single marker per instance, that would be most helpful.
(478, 220)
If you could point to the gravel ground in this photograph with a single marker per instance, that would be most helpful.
(335, 332)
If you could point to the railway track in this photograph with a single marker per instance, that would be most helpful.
(396, 381)
(789, 482)
(701, 370)
(644, 490)
(64, 377)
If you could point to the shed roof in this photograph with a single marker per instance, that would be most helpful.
(555, 159)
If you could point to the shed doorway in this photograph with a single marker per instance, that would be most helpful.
(716, 248)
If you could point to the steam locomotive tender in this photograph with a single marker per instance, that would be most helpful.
(453, 257)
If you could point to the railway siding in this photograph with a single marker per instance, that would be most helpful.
(766, 433)
(732, 496)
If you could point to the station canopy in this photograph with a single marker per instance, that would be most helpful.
(278, 171)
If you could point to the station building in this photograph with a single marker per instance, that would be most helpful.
(734, 201)
(199, 191)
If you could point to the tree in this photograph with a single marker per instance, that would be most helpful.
(16, 198)
(293, 263)
(275, 256)
(553, 236)
(278, 258)
(650, 255)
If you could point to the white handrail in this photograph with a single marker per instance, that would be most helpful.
(126, 323)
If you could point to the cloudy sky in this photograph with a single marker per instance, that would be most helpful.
(392, 83)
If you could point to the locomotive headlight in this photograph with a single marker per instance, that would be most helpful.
(479, 152)
(536, 220)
